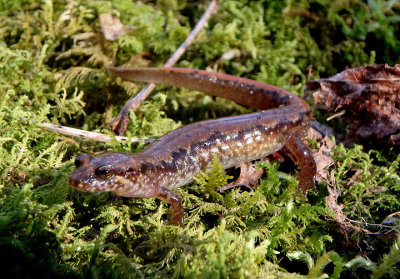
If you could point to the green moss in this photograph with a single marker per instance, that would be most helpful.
(368, 182)
(51, 69)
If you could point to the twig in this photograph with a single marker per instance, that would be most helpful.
(364, 223)
(120, 123)
(88, 135)
(138, 99)
(340, 113)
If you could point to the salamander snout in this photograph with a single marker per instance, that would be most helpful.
(82, 177)
(124, 174)
(107, 172)
(79, 161)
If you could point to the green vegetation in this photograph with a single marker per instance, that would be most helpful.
(52, 58)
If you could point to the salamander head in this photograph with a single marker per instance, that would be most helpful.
(120, 173)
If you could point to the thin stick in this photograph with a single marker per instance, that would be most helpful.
(189, 40)
(88, 135)
(340, 113)
(120, 123)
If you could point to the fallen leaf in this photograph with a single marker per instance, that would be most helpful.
(248, 177)
(369, 98)
(323, 152)
(112, 27)
(323, 159)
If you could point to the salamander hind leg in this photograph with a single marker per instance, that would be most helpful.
(176, 206)
(306, 162)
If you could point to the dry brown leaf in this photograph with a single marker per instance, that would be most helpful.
(389, 228)
(344, 224)
(323, 159)
(369, 97)
(112, 27)
(248, 177)
(323, 153)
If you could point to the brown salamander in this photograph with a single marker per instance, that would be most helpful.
(174, 159)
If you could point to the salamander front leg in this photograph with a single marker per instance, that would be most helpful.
(306, 162)
(176, 205)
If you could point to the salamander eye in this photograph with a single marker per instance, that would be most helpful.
(80, 160)
(104, 172)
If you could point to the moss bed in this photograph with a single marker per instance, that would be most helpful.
(52, 58)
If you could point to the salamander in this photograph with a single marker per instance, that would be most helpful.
(174, 159)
